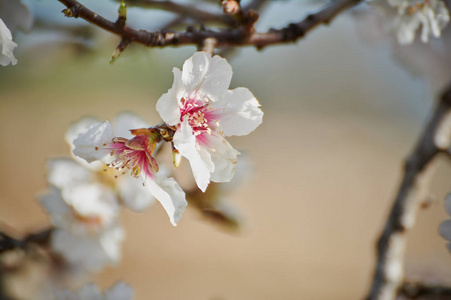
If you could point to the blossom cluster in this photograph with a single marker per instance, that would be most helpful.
(114, 163)
(429, 15)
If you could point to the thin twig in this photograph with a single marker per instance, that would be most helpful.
(419, 290)
(388, 274)
(226, 37)
(186, 11)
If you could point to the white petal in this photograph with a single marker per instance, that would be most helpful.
(445, 229)
(224, 158)
(111, 242)
(7, 46)
(217, 79)
(134, 195)
(77, 128)
(168, 104)
(126, 121)
(90, 291)
(424, 27)
(90, 144)
(242, 113)
(169, 194)
(209, 76)
(194, 70)
(65, 172)
(60, 212)
(91, 252)
(244, 171)
(199, 158)
(93, 200)
(120, 291)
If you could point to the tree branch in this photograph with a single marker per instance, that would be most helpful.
(388, 275)
(9, 243)
(226, 37)
(419, 290)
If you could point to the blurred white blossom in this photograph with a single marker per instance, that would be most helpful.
(409, 16)
(120, 291)
(13, 14)
(431, 15)
(7, 46)
(130, 151)
(87, 231)
(428, 60)
(202, 110)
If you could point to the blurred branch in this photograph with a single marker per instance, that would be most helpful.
(207, 204)
(388, 275)
(241, 36)
(9, 243)
(419, 290)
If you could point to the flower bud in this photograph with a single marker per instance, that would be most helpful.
(176, 157)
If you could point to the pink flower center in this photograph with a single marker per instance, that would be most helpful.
(201, 117)
(135, 155)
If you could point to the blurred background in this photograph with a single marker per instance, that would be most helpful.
(340, 116)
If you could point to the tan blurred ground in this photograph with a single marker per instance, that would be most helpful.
(327, 161)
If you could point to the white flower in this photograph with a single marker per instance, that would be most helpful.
(86, 222)
(202, 110)
(90, 291)
(431, 15)
(7, 46)
(129, 189)
(132, 153)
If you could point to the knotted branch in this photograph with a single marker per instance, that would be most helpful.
(225, 37)
(388, 274)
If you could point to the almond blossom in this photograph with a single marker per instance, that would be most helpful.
(202, 111)
(431, 15)
(87, 232)
(131, 154)
(63, 172)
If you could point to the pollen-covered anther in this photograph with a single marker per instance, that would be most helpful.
(415, 8)
(135, 154)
